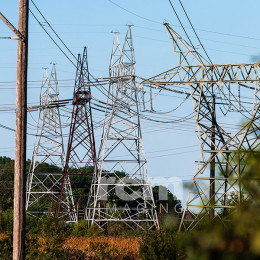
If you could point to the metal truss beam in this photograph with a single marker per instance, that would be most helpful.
(121, 189)
(43, 187)
(222, 151)
(81, 153)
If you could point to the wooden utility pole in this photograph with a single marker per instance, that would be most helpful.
(20, 136)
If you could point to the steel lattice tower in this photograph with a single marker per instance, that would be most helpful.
(121, 189)
(81, 153)
(42, 186)
(223, 152)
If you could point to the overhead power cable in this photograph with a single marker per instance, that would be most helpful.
(137, 15)
(194, 31)
(52, 39)
(215, 72)
(198, 29)
(53, 30)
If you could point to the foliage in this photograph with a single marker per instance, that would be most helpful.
(6, 247)
(82, 229)
(104, 250)
(94, 231)
(6, 221)
(49, 246)
(171, 200)
(118, 229)
(106, 247)
(7, 179)
(80, 185)
(6, 183)
(238, 238)
(49, 238)
(50, 234)
(48, 226)
(160, 245)
(169, 223)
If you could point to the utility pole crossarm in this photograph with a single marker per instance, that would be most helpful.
(5, 20)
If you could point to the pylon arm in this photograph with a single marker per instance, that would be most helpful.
(216, 73)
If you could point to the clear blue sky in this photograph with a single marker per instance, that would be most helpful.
(89, 23)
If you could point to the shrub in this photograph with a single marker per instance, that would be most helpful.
(160, 245)
(80, 229)
(104, 250)
(47, 226)
(94, 231)
(6, 247)
(6, 221)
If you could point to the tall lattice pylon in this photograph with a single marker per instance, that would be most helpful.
(216, 90)
(121, 189)
(44, 181)
(81, 153)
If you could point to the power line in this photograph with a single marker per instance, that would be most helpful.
(231, 52)
(137, 15)
(52, 39)
(199, 56)
(194, 31)
(54, 30)
(198, 29)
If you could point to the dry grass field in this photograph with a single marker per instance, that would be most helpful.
(117, 247)
(3, 236)
(99, 247)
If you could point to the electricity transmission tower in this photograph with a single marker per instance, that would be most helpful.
(43, 184)
(81, 153)
(121, 189)
(228, 90)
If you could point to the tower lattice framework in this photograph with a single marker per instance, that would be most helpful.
(215, 90)
(121, 189)
(45, 174)
(81, 153)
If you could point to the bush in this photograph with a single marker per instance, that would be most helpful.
(118, 229)
(6, 221)
(234, 234)
(6, 247)
(160, 245)
(104, 250)
(80, 228)
(239, 239)
(94, 231)
(48, 226)
(31, 247)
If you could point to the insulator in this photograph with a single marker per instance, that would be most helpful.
(239, 100)
(151, 99)
(229, 97)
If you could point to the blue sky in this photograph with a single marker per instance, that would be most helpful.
(228, 29)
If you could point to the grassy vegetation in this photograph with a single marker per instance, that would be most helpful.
(239, 238)
(48, 238)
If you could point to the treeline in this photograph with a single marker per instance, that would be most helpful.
(46, 236)
(80, 184)
(236, 237)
